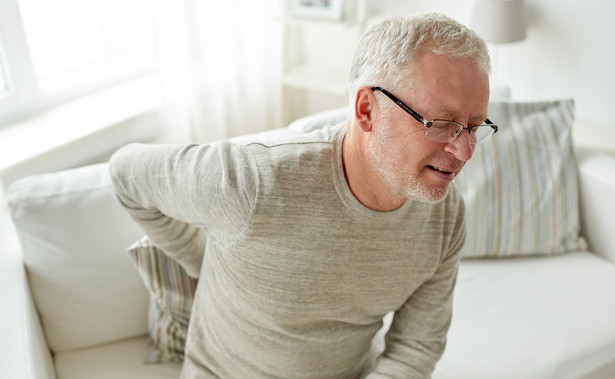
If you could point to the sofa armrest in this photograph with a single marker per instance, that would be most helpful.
(23, 349)
(597, 191)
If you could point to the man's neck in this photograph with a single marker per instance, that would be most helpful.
(366, 184)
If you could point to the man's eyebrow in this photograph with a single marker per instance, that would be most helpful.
(444, 115)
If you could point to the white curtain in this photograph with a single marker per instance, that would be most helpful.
(220, 63)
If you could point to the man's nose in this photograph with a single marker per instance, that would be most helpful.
(461, 147)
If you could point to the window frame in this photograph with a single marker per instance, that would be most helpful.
(24, 97)
(19, 74)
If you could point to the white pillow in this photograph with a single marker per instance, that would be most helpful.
(73, 232)
(319, 120)
(520, 188)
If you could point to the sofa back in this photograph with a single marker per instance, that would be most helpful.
(73, 233)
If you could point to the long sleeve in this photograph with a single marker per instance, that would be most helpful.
(177, 192)
(417, 336)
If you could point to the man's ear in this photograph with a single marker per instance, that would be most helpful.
(365, 102)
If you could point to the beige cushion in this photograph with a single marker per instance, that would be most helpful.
(172, 292)
(118, 360)
(521, 188)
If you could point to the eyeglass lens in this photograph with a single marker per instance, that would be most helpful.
(444, 131)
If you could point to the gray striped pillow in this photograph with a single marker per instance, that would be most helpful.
(172, 292)
(521, 189)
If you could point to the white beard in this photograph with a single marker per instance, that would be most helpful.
(398, 177)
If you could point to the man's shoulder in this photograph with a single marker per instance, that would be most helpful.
(292, 149)
(296, 141)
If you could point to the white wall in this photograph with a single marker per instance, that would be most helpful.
(570, 51)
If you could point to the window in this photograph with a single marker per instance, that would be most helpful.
(55, 50)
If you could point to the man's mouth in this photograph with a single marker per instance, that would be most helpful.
(440, 170)
(442, 173)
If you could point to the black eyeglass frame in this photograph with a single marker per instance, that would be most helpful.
(424, 121)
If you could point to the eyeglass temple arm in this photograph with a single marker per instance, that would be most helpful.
(495, 127)
(412, 113)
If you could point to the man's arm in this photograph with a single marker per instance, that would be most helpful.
(417, 336)
(175, 192)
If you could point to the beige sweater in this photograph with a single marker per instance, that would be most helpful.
(297, 274)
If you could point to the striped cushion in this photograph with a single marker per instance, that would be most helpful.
(172, 292)
(520, 189)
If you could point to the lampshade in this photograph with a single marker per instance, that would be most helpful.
(499, 21)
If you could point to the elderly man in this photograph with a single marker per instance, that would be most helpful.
(312, 240)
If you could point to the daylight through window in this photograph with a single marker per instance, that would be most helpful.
(56, 50)
(72, 41)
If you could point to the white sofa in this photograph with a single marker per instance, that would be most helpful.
(74, 307)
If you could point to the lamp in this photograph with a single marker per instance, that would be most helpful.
(498, 22)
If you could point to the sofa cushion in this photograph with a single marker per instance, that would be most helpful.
(521, 188)
(531, 318)
(172, 292)
(73, 233)
(117, 360)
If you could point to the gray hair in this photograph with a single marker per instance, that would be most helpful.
(386, 52)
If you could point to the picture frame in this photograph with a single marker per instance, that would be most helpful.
(317, 9)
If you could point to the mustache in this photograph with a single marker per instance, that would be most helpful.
(447, 164)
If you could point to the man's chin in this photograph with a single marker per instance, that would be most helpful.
(427, 195)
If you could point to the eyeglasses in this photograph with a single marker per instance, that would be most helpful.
(444, 130)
